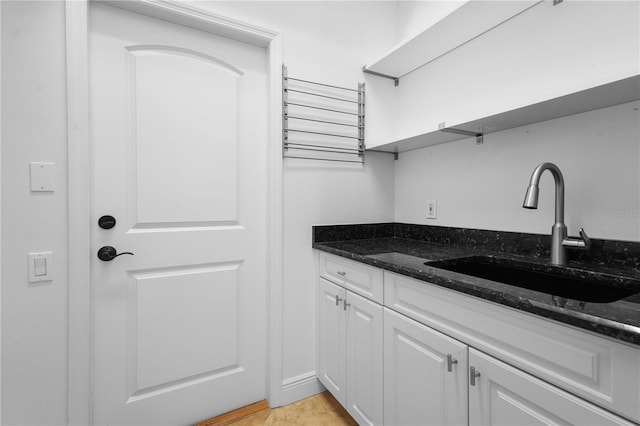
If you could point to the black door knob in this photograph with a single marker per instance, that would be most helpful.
(107, 222)
(108, 253)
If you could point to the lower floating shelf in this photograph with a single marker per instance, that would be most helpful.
(614, 93)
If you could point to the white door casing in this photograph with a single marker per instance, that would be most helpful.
(152, 379)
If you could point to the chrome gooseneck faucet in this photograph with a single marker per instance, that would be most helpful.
(559, 239)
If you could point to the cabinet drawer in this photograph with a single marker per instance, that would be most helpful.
(355, 276)
(598, 369)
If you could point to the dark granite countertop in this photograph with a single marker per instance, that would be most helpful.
(612, 264)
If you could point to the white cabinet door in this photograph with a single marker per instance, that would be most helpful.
(364, 360)
(331, 338)
(422, 387)
(504, 395)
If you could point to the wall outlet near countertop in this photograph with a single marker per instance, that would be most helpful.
(432, 209)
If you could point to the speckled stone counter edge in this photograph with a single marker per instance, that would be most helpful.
(610, 253)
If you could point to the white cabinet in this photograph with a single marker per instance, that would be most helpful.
(503, 395)
(411, 361)
(350, 351)
(425, 374)
(432, 379)
(600, 370)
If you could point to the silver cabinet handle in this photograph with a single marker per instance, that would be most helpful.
(472, 375)
(338, 300)
(345, 304)
(450, 361)
(341, 273)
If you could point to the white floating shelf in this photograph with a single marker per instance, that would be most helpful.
(614, 93)
(463, 24)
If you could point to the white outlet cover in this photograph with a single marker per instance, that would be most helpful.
(432, 209)
(42, 177)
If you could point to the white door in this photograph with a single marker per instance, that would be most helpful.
(364, 360)
(331, 338)
(178, 121)
(504, 395)
(425, 375)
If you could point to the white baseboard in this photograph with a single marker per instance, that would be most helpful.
(300, 387)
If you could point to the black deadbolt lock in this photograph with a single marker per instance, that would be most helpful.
(107, 222)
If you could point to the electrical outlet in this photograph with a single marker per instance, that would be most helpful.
(432, 209)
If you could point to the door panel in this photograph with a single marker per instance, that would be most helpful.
(504, 395)
(331, 339)
(364, 360)
(419, 388)
(167, 309)
(179, 159)
(184, 110)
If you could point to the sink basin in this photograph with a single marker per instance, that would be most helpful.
(521, 274)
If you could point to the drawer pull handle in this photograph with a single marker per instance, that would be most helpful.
(342, 273)
(345, 304)
(338, 300)
(450, 361)
(472, 375)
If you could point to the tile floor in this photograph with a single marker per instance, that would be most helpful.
(318, 410)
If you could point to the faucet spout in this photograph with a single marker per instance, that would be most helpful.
(531, 198)
(559, 239)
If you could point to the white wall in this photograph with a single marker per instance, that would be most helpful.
(34, 322)
(483, 186)
(581, 43)
(414, 16)
(325, 42)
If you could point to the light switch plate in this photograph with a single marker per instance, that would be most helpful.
(432, 209)
(42, 177)
(40, 267)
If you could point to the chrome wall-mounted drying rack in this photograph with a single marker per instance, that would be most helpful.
(322, 121)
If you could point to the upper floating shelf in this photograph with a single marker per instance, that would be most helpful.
(463, 24)
(614, 93)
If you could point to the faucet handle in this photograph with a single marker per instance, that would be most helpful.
(584, 242)
(585, 238)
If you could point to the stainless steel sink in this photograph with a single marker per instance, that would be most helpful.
(523, 275)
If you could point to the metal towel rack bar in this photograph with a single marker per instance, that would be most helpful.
(324, 109)
(325, 127)
(323, 96)
(321, 121)
(321, 84)
(323, 133)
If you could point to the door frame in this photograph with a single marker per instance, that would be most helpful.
(80, 295)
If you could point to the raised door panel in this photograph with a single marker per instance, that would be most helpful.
(505, 396)
(364, 360)
(165, 308)
(183, 108)
(331, 338)
(419, 388)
